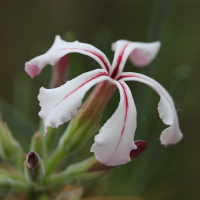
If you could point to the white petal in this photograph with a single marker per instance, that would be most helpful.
(141, 54)
(59, 49)
(166, 108)
(114, 142)
(60, 104)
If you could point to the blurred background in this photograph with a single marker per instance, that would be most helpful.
(28, 29)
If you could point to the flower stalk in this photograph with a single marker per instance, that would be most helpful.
(75, 171)
(84, 124)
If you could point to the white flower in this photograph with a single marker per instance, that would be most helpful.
(114, 142)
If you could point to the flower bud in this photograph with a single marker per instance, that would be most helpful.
(33, 167)
(33, 161)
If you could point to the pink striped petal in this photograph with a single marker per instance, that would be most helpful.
(140, 54)
(114, 142)
(59, 49)
(58, 105)
(166, 108)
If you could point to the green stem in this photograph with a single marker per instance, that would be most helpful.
(57, 156)
(84, 124)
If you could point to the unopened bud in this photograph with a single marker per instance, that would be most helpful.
(141, 146)
(33, 161)
(33, 167)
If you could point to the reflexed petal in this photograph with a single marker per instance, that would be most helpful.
(141, 54)
(60, 104)
(59, 49)
(114, 142)
(166, 108)
(141, 146)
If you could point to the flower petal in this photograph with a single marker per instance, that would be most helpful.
(166, 108)
(141, 54)
(58, 105)
(114, 142)
(59, 49)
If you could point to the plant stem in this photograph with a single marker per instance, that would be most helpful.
(84, 124)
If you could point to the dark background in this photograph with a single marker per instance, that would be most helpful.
(28, 28)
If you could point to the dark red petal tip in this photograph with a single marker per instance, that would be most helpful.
(32, 160)
(141, 146)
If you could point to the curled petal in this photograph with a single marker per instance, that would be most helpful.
(31, 69)
(141, 54)
(58, 105)
(166, 108)
(114, 142)
(141, 146)
(59, 49)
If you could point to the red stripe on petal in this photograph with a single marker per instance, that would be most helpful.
(119, 60)
(97, 76)
(126, 105)
(128, 76)
(138, 76)
(94, 53)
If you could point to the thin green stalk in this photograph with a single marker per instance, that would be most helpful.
(83, 125)
(55, 159)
